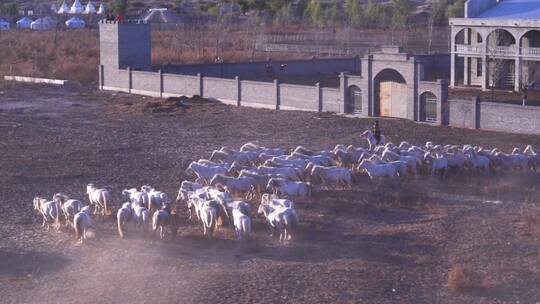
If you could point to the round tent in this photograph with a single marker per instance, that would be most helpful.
(24, 23)
(90, 8)
(101, 9)
(76, 8)
(64, 8)
(4, 25)
(41, 24)
(76, 23)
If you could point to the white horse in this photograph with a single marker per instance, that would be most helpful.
(161, 220)
(275, 201)
(284, 220)
(141, 217)
(100, 199)
(69, 207)
(185, 188)
(242, 224)
(81, 223)
(49, 210)
(134, 195)
(123, 216)
(156, 199)
(372, 142)
(208, 211)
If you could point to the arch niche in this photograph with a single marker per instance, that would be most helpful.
(354, 104)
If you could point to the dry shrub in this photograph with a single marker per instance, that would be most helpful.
(461, 278)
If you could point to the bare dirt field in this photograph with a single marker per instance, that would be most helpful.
(396, 245)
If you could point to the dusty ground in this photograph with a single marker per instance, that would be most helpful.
(354, 246)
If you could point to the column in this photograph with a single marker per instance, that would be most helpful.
(276, 86)
(129, 79)
(319, 96)
(101, 77)
(238, 91)
(485, 76)
(517, 75)
(343, 92)
(467, 71)
(453, 70)
(160, 72)
(201, 89)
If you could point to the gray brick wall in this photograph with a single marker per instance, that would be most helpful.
(221, 89)
(180, 85)
(331, 100)
(509, 118)
(258, 93)
(462, 113)
(145, 81)
(297, 97)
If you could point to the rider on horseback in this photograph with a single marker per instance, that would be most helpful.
(377, 132)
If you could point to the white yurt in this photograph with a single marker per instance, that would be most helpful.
(64, 8)
(75, 23)
(42, 24)
(76, 8)
(24, 23)
(90, 8)
(4, 25)
(101, 9)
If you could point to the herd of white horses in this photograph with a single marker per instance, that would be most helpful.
(225, 186)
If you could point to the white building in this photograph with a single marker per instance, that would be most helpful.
(497, 44)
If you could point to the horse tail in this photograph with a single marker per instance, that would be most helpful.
(106, 197)
(155, 221)
(246, 227)
(57, 216)
(213, 220)
(120, 224)
(78, 227)
(144, 217)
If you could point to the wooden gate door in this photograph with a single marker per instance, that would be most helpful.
(393, 99)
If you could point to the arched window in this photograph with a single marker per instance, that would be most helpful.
(354, 104)
(428, 107)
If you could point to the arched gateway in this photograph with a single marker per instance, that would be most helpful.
(391, 94)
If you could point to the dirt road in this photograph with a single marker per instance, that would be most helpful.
(354, 246)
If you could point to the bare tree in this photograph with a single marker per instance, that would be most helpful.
(435, 14)
(497, 68)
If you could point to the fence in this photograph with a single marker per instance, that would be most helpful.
(494, 116)
(259, 94)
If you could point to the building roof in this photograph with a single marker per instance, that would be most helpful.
(513, 9)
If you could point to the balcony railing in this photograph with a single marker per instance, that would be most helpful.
(505, 51)
(530, 51)
(502, 51)
(469, 49)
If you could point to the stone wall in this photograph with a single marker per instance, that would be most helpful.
(494, 116)
(270, 95)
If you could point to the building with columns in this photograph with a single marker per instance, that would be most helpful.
(496, 44)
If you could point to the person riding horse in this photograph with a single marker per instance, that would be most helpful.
(377, 132)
